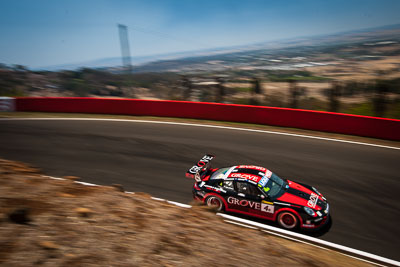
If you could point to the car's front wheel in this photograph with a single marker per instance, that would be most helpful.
(215, 202)
(287, 220)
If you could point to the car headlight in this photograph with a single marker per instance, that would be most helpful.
(309, 211)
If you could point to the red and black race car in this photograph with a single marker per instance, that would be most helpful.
(257, 192)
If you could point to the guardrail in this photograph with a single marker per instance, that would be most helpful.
(7, 103)
(295, 118)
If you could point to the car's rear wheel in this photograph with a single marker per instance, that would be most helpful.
(287, 220)
(215, 202)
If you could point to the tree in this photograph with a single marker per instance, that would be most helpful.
(220, 90)
(379, 100)
(256, 86)
(334, 94)
(187, 88)
(294, 91)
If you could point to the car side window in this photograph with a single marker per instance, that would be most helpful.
(228, 185)
(246, 188)
(241, 187)
(253, 191)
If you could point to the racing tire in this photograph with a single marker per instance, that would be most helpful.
(287, 220)
(215, 202)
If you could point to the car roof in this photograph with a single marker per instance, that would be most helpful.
(250, 173)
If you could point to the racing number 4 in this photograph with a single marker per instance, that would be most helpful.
(267, 208)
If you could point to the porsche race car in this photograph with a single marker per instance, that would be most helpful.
(256, 191)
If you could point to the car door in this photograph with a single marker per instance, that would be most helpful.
(245, 198)
(252, 201)
(230, 195)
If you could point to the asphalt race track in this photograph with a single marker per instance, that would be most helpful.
(361, 183)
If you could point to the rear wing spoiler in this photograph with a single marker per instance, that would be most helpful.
(200, 168)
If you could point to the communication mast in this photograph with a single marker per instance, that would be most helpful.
(126, 55)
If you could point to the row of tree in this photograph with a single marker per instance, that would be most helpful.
(378, 92)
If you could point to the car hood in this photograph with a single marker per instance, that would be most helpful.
(298, 194)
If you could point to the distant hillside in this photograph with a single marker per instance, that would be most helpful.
(212, 59)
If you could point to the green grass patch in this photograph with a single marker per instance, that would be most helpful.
(367, 109)
(243, 89)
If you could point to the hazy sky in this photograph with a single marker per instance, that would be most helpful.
(39, 33)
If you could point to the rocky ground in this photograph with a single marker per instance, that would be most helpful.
(47, 222)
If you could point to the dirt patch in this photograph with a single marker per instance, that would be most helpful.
(70, 224)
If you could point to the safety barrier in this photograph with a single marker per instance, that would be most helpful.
(295, 118)
(7, 103)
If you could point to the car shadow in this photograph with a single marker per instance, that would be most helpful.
(310, 232)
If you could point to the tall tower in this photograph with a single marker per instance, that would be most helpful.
(126, 55)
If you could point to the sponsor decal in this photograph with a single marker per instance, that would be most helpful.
(267, 208)
(215, 188)
(195, 169)
(245, 176)
(244, 203)
(204, 160)
(263, 181)
(197, 177)
(252, 167)
(313, 200)
(201, 164)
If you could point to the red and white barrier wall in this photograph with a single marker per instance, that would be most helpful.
(294, 118)
(7, 103)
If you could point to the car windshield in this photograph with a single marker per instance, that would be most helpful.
(219, 174)
(275, 186)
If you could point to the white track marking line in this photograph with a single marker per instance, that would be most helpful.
(254, 225)
(52, 177)
(179, 204)
(158, 199)
(240, 224)
(214, 126)
(88, 184)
